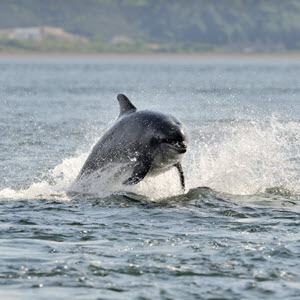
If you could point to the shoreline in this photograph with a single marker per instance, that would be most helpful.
(158, 56)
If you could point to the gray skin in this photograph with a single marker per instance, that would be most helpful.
(148, 141)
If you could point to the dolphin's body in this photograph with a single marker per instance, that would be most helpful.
(150, 142)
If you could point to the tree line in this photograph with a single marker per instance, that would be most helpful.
(232, 24)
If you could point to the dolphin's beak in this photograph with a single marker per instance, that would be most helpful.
(180, 147)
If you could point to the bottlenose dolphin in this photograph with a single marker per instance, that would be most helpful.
(147, 141)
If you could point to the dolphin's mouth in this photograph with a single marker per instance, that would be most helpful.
(179, 147)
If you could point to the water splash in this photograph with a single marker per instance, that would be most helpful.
(55, 186)
(247, 157)
(238, 156)
(109, 181)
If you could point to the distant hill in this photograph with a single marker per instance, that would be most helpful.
(173, 25)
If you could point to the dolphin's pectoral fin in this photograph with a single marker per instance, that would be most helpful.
(179, 168)
(139, 173)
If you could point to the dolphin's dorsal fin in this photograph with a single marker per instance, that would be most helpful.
(125, 105)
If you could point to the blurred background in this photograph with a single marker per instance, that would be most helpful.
(149, 26)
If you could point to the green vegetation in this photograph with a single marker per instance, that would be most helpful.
(156, 25)
(65, 46)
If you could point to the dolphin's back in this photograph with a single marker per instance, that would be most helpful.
(120, 143)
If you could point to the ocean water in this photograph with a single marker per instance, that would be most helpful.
(234, 234)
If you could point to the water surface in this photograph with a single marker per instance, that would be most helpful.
(233, 235)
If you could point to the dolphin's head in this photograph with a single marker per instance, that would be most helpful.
(172, 135)
(168, 133)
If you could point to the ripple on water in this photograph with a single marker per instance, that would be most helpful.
(237, 239)
(142, 247)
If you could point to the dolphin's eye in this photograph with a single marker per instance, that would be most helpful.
(164, 140)
(168, 141)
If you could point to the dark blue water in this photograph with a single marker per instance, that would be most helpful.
(233, 235)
